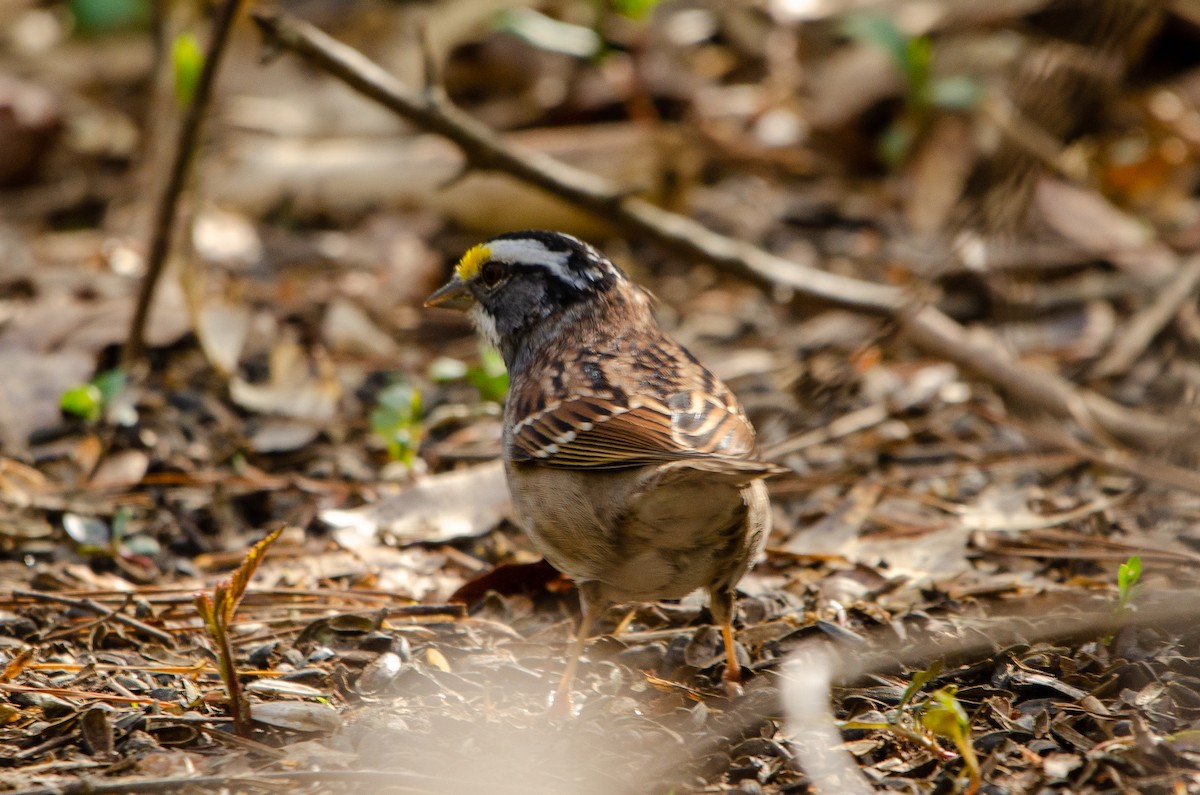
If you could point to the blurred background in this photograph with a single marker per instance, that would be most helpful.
(1030, 167)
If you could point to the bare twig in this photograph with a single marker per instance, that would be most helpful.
(925, 326)
(100, 610)
(1146, 324)
(264, 782)
(163, 228)
(70, 692)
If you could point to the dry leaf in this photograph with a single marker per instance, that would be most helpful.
(468, 502)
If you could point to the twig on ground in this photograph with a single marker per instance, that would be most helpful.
(1144, 326)
(90, 606)
(85, 626)
(163, 228)
(925, 326)
(265, 782)
(72, 693)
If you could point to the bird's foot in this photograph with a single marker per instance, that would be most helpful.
(731, 683)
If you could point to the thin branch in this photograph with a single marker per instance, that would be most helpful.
(163, 228)
(90, 606)
(926, 327)
(1144, 326)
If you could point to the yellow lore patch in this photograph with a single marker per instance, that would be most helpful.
(472, 261)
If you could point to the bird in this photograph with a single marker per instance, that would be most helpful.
(632, 468)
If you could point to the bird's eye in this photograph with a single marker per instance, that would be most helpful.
(491, 274)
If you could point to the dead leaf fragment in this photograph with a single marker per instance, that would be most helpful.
(301, 716)
(459, 504)
(1089, 221)
(297, 388)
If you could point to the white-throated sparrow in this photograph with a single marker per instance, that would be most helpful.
(631, 466)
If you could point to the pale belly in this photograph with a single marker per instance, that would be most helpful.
(639, 545)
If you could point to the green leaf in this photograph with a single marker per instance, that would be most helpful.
(895, 144)
(919, 680)
(944, 715)
(139, 544)
(120, 524)
(95, 17)
(110, 383)
(546, 33)
(396, 420)
(85, 401)
(917, 63)
(957, 92)
(1127, 579)
(635, 9)
(90, 533)
(879, 31)
(188, 60)
(490, 377)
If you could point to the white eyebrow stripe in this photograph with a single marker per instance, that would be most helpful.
(531, 251)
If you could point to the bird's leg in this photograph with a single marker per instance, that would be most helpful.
(721, 606)
(591, 604)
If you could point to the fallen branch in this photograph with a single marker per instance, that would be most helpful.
(925, 326)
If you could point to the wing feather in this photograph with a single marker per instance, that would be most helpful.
(598, 433)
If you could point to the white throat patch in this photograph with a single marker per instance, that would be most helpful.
(485, 324)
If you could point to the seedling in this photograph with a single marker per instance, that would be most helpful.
(218, 611)
(635, 9)
(188, 61)
(100, 17)
(96, 538)
(943, 715)
(489, 376)
(921, 720)
(89, 401)
(396, 420)
(549, 34)
(913, 57)
(1127, 584)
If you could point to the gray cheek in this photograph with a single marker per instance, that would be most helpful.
(522, 305)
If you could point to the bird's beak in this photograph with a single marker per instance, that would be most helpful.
(452, 295)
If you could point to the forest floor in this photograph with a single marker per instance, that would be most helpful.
(1005, 593)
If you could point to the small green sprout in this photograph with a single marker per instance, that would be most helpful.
(913, 58)
(635, 9)
(83, 401)
(920, 720)
(188, 61)
(396, 420)
(100, 17)
(943, 715)
(1127, 583)
(489, 376)
(919, 680)
(549, 34)
(89, 401)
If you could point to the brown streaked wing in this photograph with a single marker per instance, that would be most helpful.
(596, 433)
